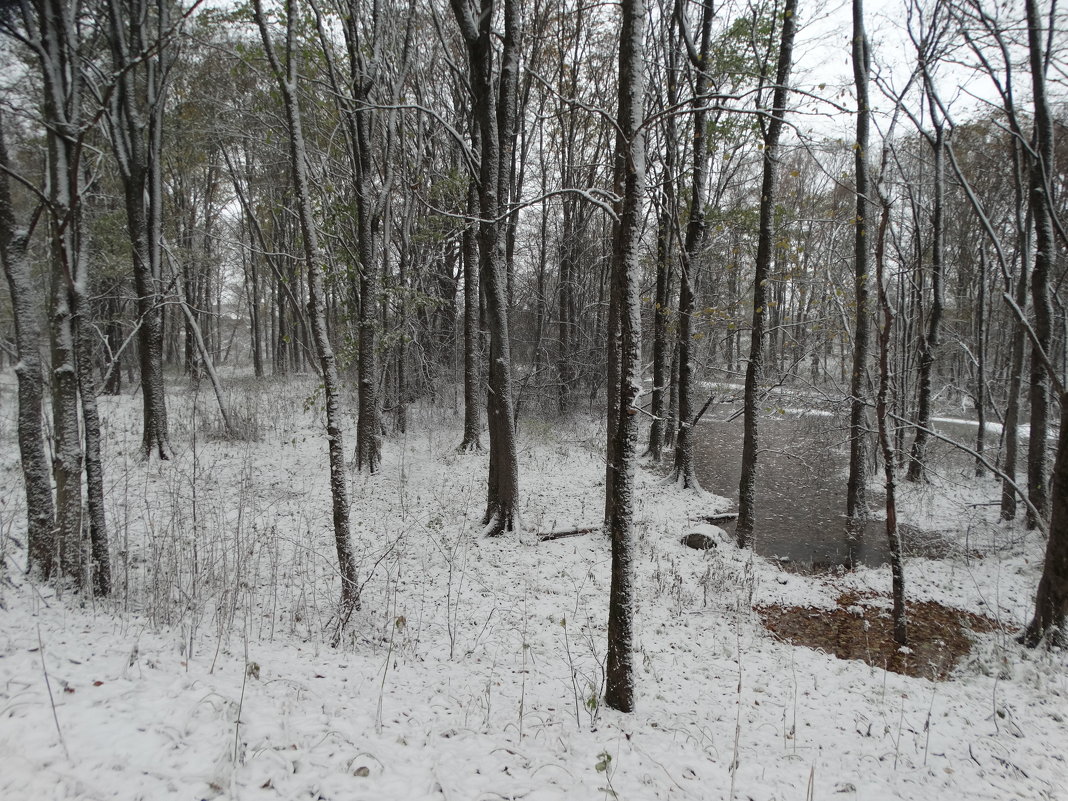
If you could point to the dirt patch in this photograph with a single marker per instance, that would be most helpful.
(860, 627)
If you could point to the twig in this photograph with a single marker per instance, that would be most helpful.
(546, 536)
(51, 699)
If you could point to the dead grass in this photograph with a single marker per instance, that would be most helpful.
(860, 627)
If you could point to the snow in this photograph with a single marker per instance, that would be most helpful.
(473, 669)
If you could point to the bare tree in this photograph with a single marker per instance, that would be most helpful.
(1041, 205)
(772, 130)
(51, 29)
(285, 70)
(619, 672)
(882, 413)
(14, 241)
(928, 43)
(140, 36)
(695, 234)
(493, 106)
(856, 495)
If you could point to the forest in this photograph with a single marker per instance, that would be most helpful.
(489, 399)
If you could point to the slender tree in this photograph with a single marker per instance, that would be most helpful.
(856, 500)
(493, 109)
(1041, 206)
(695, 234)
(285, 70)
(772, 130)
(14, 241)
(619, 672)
(141, 39)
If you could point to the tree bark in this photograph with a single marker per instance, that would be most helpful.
(856, 485)
(40, 511)
(1041, 204)
(893, 534)
(930, 342)
(472, 335)
(765, 237)
(619, 672)
(1051, 600)
(493, 110)
(286, 76)
(135, 121)
(695, 234)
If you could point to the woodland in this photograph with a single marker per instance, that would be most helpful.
(499, 399)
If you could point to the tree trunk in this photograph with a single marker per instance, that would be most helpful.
(1012, 407)
(1041, 204)
(135, 121)
(856, 485)
(619, 671)
(286, 77)
(765, 237)
(493, 112)
(893, 534)
(1051, 600)
(472, 335)
(99, 559)
(40, 512)
(695, 234)
(980, 367)
(929, 345)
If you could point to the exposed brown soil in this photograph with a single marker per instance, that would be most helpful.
(860, 627)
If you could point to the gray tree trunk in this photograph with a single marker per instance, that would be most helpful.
(765, 241)
(1041, 204)
(619, 670)
(931, 337)
(285, 73)
(139, 34)
(856, 485)
(472, 335)
(40, 511)
(493, 108)
(882, 414)
(695, 234)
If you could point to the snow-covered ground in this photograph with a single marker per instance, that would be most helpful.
(474, 668)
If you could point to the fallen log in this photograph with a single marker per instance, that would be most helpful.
(722, 517)
(546, 536)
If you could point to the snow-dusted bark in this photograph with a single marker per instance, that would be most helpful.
(53, 33)
(1041, 202)
(932, 336)
(1051, 600)
(99, 559)
(472, 407)
(882, 414)
(856, 485)
(695, 235)
(619, 670)
(66, 433)
(139, 33)
(358, 118)
(765, 242)
(25, 300)
(285, 72)
(493, 106)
